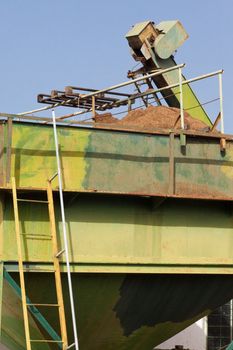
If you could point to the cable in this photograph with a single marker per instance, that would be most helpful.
(203, 104)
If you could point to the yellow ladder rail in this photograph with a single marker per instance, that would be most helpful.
(56, 264)
(20, 263)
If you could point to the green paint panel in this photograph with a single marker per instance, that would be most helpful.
(105, 161)
(128, 234)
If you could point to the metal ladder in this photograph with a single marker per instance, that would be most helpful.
(56, 269)
(147, 82)
(56, 255)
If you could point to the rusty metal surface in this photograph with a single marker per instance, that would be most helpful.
(103, 161)
(75, 97)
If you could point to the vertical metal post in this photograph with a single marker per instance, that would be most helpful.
(9, 150)
(231, 320)
(93, 106)
(171, 184)
(181, 99)
(221, 101)
(1, 288)
(129, 104)
(65, 232)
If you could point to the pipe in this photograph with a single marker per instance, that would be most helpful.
(36, 110)
(221, 102)
(181, 100)
(158, 72)
(174, 85)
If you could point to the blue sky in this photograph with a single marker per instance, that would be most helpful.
(49, 44)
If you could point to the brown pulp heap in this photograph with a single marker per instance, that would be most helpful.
(153, 117)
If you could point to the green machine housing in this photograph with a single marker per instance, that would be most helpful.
(154, 46)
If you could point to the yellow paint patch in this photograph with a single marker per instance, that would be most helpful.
(33, 155)
(73, 157)
(226, 169)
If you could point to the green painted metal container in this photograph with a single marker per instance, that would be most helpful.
(149, 225)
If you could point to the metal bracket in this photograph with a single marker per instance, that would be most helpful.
(223, 145)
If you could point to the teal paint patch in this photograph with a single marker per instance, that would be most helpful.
(32, 309)
(126, 162)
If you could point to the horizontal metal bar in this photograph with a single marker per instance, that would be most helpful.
(26, 117)
(31, 200)
(49, 305)
(35, 110)
(37, 270)
(32, 236)
(94, 90)
(45, 341)
(36, 235)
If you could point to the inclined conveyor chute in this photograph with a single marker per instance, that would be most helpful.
(154, 46)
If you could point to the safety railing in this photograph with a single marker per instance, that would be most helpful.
(93, 96)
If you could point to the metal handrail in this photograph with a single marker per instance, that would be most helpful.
(158, 72)
(135, 96)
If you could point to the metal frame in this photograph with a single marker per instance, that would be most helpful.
(97, 100)
(98, 92)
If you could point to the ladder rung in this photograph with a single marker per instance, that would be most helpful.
(60, 253)
(37, 236)
(70, 346)
(45, 341)
(28, 269)
(31, 200)
(53, 177)
(50, 305)
(140, 84)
